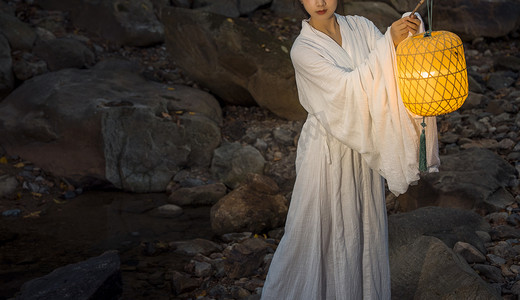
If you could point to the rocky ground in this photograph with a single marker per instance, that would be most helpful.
(184, 259)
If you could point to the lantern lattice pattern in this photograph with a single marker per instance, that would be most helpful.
(432, 74)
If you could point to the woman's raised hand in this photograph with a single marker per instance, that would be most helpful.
(400, 28)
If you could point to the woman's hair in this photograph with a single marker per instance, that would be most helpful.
(339, 7)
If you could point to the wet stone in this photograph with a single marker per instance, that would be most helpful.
(504, 232)
(503, 249)
(469, 252)
(492, 273)
(195, 246)
(513, 219)
(484, 236)
(497, 218)
(495, 259)
(182, 283)
(8, 185)
(168, 211)
(11, 213)
(236, 237)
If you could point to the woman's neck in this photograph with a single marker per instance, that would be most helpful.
(328, 26)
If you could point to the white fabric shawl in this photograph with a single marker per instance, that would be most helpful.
(352, 91)
(335, 244)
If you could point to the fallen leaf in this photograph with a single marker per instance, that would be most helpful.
(284, 49)
(19, 165)
(179, 112)
(59, 201)
(229, 20)
(35, 214)
(3, 160)
(191, 113)
(171, 89)
(36, 194)
(202, 294)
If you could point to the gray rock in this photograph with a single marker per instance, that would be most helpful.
(29, 66)
(504, 250)
(516, 288)
(500, 80)
(129, 23)
(240, 64)
(382, 14)
(504, 232)
(108, 123)
(246, 209)
(246, 7)
(284, 136)
(243, 259)
(207, 194)
(8, 185)
(227, 8)
(96, 278)
(20, 35)
(168, 211)
(478, 17)
(6, 68)
(461, 182)
(469, 253)
(474, 87)
(287, 8)
(490, 272)
(427, 269)
(202, 269)
(449, 138)
(232, 162)
(182, 283)
(496, 218)
(513, 219)
(195, 246)
(64, 53)
(450, 225)
(508, 62)
(236, 237)
(495, 260)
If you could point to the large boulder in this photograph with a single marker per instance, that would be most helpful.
(122, 22)
(474, 179)
(473, 18)
(232, 162)
(253, 207)
(287, 8)
(467, 18)
(64, 53)
(20, 35)
(6, 68)
(95, 278)
(382, 14)
(240, 63)
(422, 262)
(108, 123)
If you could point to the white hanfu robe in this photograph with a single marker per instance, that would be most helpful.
(357, 131)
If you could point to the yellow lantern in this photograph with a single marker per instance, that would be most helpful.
(432, 76)
(432, 73)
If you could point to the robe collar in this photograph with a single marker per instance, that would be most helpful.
(327, 43)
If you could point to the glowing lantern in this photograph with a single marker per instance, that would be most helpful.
(432, 73)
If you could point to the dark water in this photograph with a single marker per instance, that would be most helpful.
(87, 226)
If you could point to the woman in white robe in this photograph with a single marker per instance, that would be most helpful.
(357, 134)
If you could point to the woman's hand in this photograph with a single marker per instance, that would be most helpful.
(400, 28)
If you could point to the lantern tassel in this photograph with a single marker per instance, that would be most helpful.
(422, 150)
